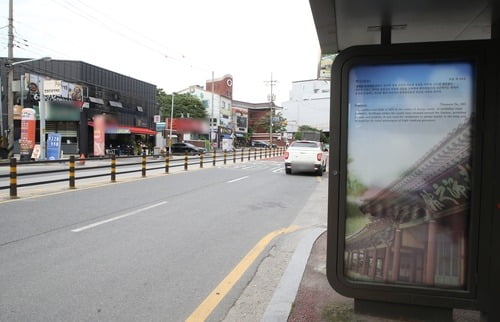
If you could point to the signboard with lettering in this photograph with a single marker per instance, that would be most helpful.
(408, 185)
(53, 146)
(28, 128)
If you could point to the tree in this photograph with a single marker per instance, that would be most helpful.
(185, 105)
(306, 128)
(279, 123)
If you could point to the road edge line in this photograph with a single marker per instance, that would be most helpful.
(203, 311)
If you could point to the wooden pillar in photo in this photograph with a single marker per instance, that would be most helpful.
(461, 273)
(397, 255)
(373, 266)
(364, 269)
(430, 266)
(387, 262)
(358, 261)
(413, 266)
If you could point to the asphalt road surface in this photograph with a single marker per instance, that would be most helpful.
(143, 250)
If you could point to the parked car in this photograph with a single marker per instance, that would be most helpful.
(260, 144)
(306, 156)
(184, 147)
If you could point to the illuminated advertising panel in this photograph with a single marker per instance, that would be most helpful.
(28, 128)
(408, 173)
(99, 134)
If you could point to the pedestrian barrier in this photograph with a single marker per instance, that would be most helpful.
(86, 165)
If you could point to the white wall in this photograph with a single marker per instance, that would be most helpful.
(222, 105)
(308, 104)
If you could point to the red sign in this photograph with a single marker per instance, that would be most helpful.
(187, 125)
(28, 128)
(99, 134)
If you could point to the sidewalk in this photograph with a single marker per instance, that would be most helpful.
(290, 284)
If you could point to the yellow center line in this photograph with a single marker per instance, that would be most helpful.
(213, 299)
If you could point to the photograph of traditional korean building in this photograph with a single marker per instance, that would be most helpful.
(416, 227)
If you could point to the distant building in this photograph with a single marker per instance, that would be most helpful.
(129, 104)
(222, 86)
(219, 113)
(309, 104)
(258, 115)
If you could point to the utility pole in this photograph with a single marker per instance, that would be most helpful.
(212, 116)
(271, 83)
(10, 80)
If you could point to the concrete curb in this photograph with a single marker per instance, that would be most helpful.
(281, 303)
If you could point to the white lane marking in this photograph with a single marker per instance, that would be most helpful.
(277, 170)
(242, 178)
(247, 168)
(77, 230)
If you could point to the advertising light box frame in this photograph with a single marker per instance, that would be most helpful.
(358, 258)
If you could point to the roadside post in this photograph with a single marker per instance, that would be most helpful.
(214, 158)
(72, 172)
(167, 163)
(242, 154)
(13, 178)
(113, 168)
(225, 156)
(201, 160)
(234, 156)
(143, 164)
(185, 161)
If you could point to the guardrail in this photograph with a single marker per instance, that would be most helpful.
(167, 161)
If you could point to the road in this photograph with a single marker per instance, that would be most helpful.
(150, 249)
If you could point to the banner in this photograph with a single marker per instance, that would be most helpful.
(28, 128)
(53, 146)
(99, 134)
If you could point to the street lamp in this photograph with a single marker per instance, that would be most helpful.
(10, 104)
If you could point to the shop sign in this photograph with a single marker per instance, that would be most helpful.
(53, 146)
(160, 126)
(57, 112)
(28, 128)
(99, 135)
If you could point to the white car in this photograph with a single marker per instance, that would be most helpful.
(306, 156)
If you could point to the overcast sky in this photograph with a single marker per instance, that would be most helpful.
(174, 44)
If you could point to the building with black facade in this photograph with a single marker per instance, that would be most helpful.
(80, 92)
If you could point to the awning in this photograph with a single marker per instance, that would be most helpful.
(123, 129)
(115, 104)
(96, 100)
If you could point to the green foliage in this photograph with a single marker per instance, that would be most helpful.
(355, 219)
(184, 105)
(306, 128)
(355, 187)
(279, 126)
